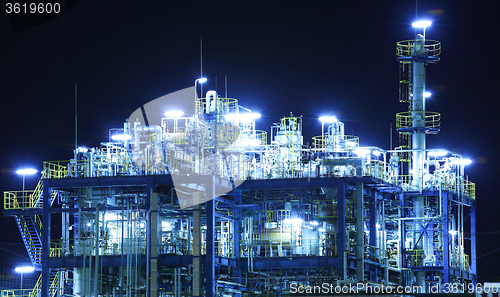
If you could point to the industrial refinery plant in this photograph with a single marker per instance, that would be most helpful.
(204, 204)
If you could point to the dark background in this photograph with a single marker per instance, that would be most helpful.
(307, 57)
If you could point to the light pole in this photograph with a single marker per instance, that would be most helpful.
(199, 80)
(24, 172)
(22, 270)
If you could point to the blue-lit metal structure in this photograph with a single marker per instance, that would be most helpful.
(203, 205)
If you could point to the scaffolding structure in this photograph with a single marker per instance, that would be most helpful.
(203, 205)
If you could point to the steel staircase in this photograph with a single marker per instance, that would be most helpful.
(30, 225)
(53, 280)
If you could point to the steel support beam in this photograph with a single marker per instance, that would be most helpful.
(210, 254)
(45, 240)
(341, 253)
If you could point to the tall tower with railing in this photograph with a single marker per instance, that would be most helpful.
(414, 125)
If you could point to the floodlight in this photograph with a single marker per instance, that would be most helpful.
(174, 113)
(462, 161)
(82, 149)
(295, 222)
(26, 171)
(362, 152)
(24, 269)
(439, 153)
(202, 80)
(328, 119)
(242, 116)
(421, 24)
(121, 137)
(427, 94)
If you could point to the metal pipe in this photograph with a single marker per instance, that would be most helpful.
(96, 273)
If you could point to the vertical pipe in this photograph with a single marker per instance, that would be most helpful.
(446, 239)
(210, 242)
(473, 239)
(360, 234)
(237, 234)
(197, 244)
(153, 244)
(341, 232)
(76, 126)
(96, 273)
(418, 147)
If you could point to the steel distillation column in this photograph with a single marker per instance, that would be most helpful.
(418, 147)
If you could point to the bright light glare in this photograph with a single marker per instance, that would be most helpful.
(174, 113)
(202, 80)
(295, 222)
(462, 161)
(453, 232)
(427, 94)
(440, 153)
(321, 230)
(422, 24)
(243, 116)
(251, 142)
(314, 223)
(351, 143)
(26, 171)
(82, 149)
(121, 137)
(376, 153)
(328, 119)
(362, 152)
(109, 216)
(24, 269)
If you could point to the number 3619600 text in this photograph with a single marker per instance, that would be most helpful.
(32, 7)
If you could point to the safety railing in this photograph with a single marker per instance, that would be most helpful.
(405, 48)
(224, 248)
(10, 200)
(324, 209)
(224, 105)
(106, 246)
(54, 281)
(469, 189)
(55, 170)
(16, 293)
(422, 119)
(174, 245)
(335, 142)
(277, 215)
(418, 257)
(24, 199)
(180, 136)
(266, 248)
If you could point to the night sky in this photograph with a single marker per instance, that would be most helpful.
(311, 58)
